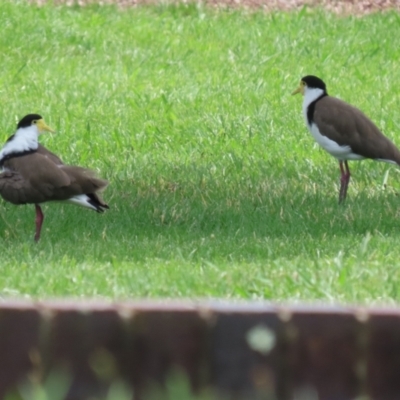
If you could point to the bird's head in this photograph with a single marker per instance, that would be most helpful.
(310, 82)
(35, 120)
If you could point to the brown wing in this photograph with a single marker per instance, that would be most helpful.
(37, 177)
(82, 181)
(347, 125)
(32, 178)
(15, 189)
(47, 153)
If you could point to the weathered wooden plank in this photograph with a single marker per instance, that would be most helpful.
(19, 335)
(242, 351)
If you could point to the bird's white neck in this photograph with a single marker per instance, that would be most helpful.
(310, 95)
(24, 139)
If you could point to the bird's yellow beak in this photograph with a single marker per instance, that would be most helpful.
(300, 89)
(42, 126)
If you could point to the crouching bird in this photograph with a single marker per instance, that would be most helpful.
(342, 130)
(31, 174)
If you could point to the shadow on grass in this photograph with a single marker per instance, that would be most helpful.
(261, 209)
(230, 213)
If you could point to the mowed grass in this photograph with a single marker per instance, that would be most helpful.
(216, 187)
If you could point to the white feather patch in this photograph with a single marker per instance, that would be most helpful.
(24, 139)
(81, 200)
(310, 94)
(340, 152)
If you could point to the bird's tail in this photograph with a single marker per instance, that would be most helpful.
(98, 203)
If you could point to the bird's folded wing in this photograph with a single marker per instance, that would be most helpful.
(39, 177)
(83, 180)
(47, 153)
(348, 126)
(32, 178)
(15, 189)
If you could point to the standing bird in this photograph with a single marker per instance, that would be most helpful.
(342, 130)
(31, 174)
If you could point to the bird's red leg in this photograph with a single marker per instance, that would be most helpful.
(347, 177)
(344, 180)
(39, 221)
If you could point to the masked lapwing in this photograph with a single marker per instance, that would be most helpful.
(342, 130)
(31, 174)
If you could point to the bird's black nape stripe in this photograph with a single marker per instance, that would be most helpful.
(311, 109)
(13, 155)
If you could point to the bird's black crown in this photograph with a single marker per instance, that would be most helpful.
(314, 82)
(27, 120)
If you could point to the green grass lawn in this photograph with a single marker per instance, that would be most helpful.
(216, 186)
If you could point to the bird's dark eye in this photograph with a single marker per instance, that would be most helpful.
(34, 122)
